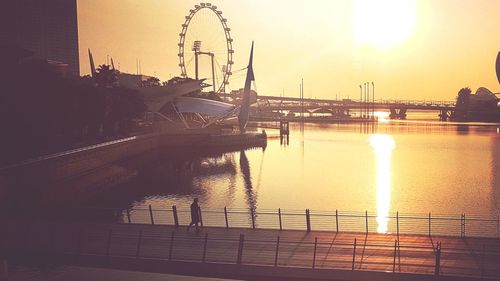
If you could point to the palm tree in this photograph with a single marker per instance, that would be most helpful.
(106, 76)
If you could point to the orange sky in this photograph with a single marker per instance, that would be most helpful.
(411, 49)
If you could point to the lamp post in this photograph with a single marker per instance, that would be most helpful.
(196, 49)
(368, 107)
(360, 102)
(365, 108)
(373, 100)
(367, 113)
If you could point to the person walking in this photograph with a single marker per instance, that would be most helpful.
(195, 214)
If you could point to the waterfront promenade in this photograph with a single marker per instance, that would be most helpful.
(249, 253)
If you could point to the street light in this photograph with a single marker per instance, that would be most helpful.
(367, 100)
(360, 101)
(373, 104)
(196, 49)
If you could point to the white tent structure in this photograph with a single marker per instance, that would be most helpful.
(214, 110)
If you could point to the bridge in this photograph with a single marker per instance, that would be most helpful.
(270, 105)
(273, 244)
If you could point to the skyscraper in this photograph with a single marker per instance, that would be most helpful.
(49, 28)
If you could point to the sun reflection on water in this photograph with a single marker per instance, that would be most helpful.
(383, 146)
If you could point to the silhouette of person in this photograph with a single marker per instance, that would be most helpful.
(195, 214)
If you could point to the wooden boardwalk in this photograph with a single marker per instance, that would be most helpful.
(237, 252)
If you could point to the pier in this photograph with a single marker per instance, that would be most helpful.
(275, 244)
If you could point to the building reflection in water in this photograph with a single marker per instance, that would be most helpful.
(383, 146)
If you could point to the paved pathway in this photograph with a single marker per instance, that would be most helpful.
(416, 254)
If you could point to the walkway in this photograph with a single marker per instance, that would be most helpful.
(237, 253)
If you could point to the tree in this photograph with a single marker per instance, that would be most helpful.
(462, 105)
(106, 77)
(151, 82)
(44, 112)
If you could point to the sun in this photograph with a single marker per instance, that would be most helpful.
(383, 23)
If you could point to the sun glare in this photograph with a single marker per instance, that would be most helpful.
(383, 146)
(382, 116)
(383, 23)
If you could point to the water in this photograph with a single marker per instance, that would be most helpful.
(410, 167)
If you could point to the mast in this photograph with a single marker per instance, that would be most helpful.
(92, 65)
(245, 103)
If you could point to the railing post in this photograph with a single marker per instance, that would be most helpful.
(225, 216)
(462, 226)
(108, 245)
(171, 248)
(279, 216)
(308, 220)
(201, 218)
(252, 214)
(366, 221)
(354, 254)
(277, 251)
(151, 215)
(240, 249)
(139, 241)
(204, 258)
(337, 220)
(498, 226)
(399, 256)
(483, 258)
(437, 267)
(430, 224)
(314, 254)
(128, 216)
(397, 223)
(394, 258)
(176, 217)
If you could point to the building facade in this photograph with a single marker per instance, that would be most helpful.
(49, 28)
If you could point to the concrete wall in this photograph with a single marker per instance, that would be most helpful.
(88, 170)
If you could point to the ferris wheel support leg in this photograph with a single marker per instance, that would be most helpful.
(213, 72)
(196, 64)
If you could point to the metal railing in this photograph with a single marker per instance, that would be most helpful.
(308, 220)
(68, 152)
(318, 253)
(278, 249)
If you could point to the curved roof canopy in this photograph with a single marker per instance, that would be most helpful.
(210, 108)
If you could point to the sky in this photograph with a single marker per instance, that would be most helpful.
(410, 49)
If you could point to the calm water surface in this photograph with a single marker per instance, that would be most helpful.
(409, 167)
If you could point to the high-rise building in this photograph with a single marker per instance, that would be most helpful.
(49, 28)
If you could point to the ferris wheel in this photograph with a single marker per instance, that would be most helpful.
(206, 46)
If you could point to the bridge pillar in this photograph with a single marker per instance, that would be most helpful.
(398, 113)
(284, 132)
(402, 113)
(444, 115)
(393, 114)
